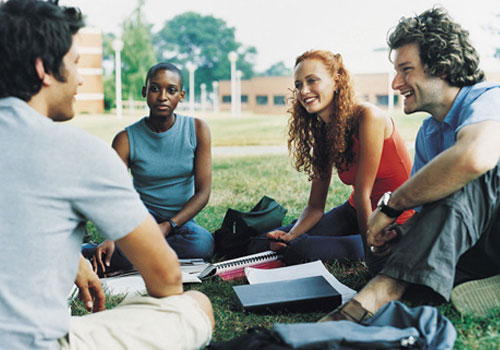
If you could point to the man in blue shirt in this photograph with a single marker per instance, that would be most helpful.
(455, 180)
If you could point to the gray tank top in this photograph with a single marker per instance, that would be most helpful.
(162, 164)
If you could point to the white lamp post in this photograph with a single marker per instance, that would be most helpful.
(215, 91)
(117, 45)
(233, 57)
(390, 93)
(203, 88)
(191, 68)
(239, 74)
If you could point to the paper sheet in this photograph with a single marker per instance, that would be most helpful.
(134, 284)
(315, 268)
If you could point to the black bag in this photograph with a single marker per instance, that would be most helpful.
(233, 238)
(255, 339)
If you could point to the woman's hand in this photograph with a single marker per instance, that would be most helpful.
(278, 235)
(106, 248)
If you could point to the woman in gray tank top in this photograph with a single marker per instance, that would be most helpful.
(169, 156)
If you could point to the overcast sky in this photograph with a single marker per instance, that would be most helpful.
(283, 29)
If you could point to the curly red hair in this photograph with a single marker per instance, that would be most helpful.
(317, 147)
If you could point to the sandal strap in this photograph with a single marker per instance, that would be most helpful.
(354, 311)
(351, 311)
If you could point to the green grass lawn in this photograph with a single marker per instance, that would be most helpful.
(240, 181)
(245, 130)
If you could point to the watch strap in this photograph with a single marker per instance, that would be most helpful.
(390, 212)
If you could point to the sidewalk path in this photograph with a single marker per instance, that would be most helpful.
(248, 150)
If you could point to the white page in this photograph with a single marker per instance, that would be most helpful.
(315, 268)
(134, 284)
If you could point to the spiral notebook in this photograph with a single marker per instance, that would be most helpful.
(235, 268)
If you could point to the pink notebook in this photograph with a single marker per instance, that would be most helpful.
(235, 268)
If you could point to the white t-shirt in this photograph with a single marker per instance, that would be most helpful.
(53, 178)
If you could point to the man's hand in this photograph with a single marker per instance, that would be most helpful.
(106, 248)
(377, 235)
(89, 287)
(165, 228)
(278, 235)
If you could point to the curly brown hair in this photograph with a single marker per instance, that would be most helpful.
(316, 146)
(444, 46)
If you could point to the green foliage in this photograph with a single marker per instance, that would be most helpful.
(138, 54)
(205, 41)
(279, 69)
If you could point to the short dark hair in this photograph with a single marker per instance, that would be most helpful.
(444, 46)
(164, 66)
(31, 29)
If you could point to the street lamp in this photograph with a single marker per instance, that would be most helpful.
(117, 45)
(191, 68)
(233, 57)
(203, 88)
(215, 92)
(239, 74)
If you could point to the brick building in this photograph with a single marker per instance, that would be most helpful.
(268, 94)
(90, 98)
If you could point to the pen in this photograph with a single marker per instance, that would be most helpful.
(279, 240)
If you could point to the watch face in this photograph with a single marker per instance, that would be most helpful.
(384, 199)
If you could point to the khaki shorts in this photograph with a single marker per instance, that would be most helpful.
(142, 323)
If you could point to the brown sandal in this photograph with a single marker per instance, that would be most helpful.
(350, 311)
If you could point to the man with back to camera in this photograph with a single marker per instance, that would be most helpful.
(54, 178)
(453, 241)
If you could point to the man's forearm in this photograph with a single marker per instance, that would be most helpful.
(444, 175)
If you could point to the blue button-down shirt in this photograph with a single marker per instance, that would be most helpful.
(473, 104)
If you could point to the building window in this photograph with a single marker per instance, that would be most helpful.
(244, 98)
(279, 100)
(261, 100)
(383, 100)
(226, 99)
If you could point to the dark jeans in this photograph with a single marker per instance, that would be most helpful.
(335, 236)
(190, 241)
(453, 240)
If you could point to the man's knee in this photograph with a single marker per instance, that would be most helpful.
(204, 302)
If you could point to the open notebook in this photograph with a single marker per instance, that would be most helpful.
(132, 283)
(235, 268)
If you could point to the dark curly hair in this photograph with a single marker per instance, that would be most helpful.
(444, 46)
(316, 146)
(31, 29)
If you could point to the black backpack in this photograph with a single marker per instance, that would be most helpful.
(233, 237)
(255, 339)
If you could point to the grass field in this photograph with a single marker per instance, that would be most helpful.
(245, 130)
(240, 181)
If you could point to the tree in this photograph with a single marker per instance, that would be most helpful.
(138, 54)
(205, 41)
(279, 69)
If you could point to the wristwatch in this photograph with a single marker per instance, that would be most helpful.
(173, 225)
(385, 208)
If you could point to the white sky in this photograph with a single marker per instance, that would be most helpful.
(283, 29)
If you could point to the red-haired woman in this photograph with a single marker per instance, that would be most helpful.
(329, 129)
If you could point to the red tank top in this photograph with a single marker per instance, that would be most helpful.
(393, 170)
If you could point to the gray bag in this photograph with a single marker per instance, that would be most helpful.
(394, 326)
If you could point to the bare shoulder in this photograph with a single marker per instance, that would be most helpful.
(120, 139)
(200, 123)
(368, 111)
(202, 130)
(201, 127)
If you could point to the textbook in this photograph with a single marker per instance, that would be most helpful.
(235, 268)
(315, 268)
(306, 294)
